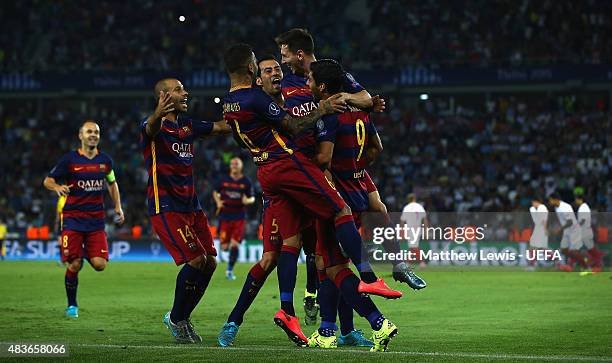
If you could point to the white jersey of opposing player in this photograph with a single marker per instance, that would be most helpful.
(539, 237)
(413, 215)
(586, 231)
(571, 235)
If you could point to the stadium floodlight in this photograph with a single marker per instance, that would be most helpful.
(424, 96)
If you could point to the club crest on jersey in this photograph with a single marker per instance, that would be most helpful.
(184, 131)
(182, 149)
(273, 109)
(102, 167)
(94, 185)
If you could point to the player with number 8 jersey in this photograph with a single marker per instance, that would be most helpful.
(84, 173)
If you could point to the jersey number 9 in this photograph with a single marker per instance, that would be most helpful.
(361, 136)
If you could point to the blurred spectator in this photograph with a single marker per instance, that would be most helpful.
(484, 156)
(129, 35)
(493, 157)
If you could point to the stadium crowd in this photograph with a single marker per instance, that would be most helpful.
(496, 157)
(374, 33)
(493, 157)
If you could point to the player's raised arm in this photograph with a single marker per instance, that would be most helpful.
(165, 105)
(378, 104)
(295, 125)
(357, 96)
(361, 99)
(113, 190)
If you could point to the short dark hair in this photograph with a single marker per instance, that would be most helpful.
(236, 57)
(161, 85)
(330, 72)
(537, 198)
(554, 195)
(265, 57)
(296, 39)
(86, 122)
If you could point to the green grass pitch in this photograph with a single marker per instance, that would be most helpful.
(462, 316)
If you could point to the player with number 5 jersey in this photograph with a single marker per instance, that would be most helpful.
(295, 185)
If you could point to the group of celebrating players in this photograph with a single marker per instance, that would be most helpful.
(310, 135)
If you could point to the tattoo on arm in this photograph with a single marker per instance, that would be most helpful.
(294, 125)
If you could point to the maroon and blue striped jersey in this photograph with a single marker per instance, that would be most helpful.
(349, 131)
(84, 208)
(231, 191)
(168, 158)
(256, 121)
(300, 102)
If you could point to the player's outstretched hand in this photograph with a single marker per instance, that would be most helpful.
(335, 103)
(119, 217)
(378, 104)
(164, 104)
(62, 190)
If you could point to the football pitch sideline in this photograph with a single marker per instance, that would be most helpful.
(461, 316)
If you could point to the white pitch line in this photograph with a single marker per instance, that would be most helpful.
(571, 358)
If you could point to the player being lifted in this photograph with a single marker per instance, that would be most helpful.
(83, 173)
(291, 180)
(349, 336)
(297, 52)
(344, 149)
(270, 76)
(166, 139)
(232, 194)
